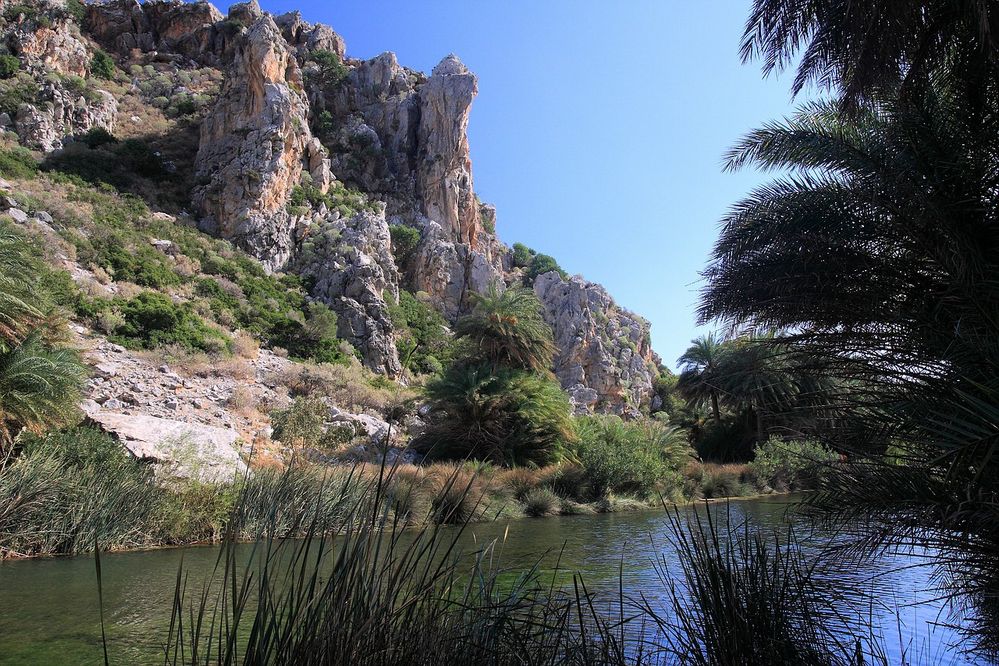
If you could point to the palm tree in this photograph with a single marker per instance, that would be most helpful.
(698, 371)
(863, 48)
(878, 252)
(18, 295)
(39, 381)
(39, 388)
(509, 330)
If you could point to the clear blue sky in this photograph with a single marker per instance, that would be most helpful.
(599, 128)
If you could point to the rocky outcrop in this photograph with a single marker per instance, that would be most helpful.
(59, 113)
(255, 143)
(349, 263)
(444, 174)
(605, 359)
(448, 271)
(305, 37)
(171, 27)
(47, 47)
(177, 450)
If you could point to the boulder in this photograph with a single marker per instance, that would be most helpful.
(177, 450)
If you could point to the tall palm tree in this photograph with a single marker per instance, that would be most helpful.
(508, 329)
(878, 251)
(863, 48)
(39, 382)
(699, 366)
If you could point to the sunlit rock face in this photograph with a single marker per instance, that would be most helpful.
(605, 358)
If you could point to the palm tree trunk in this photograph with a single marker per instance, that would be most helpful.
(714, 406)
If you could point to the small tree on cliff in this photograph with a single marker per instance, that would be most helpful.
(500, 403)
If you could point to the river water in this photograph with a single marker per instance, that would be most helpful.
(49, 611)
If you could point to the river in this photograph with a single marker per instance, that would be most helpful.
(49, 611)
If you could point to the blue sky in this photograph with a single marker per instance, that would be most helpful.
(599, 128)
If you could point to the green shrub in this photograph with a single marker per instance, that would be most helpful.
(17, 90)
(522, 255)
(128, 260)
(76, 11)
(791, 463)
(305, 424)
(102, 65)
(630, 457)
(338, 198)
(541, 264)
(152, 319)
(17, 163)
(425, 342)
(97, 137)
(405, 239)
(331, 68)
(9, 66)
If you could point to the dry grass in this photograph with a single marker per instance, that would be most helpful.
(349, 387)
(245, 345)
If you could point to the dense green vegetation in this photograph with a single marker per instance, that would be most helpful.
(423, 339)
(534, 264)
(40, 380)
(500, 403)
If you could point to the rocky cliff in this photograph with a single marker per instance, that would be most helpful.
(304, 159)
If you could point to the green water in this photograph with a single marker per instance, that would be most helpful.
(49, 612)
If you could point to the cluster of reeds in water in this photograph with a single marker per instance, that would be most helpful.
(361, 589)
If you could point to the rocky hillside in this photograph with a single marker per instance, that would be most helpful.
(353, 175)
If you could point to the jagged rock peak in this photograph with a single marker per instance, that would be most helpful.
(444, 174)
(451, 65)
(254, 145)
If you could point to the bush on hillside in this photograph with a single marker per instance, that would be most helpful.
(425, 343)
(102, 65)
(17, 163)
(9, 66)
(541, 264)
(404, 242)
(151, 319)
(522, 255)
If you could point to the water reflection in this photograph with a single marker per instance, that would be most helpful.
(49, 610)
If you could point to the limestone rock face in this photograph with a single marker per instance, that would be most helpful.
(305, 37)
(350, 264)
(255, 143)
(444, 176)
(605, 359)
(448, 271)
(188, 29)
(49, 48)
(60, 113)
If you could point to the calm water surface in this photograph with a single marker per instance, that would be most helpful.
(49, 608)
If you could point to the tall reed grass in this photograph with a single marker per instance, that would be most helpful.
(377, 594)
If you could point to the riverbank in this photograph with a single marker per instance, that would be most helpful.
(58, 501)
